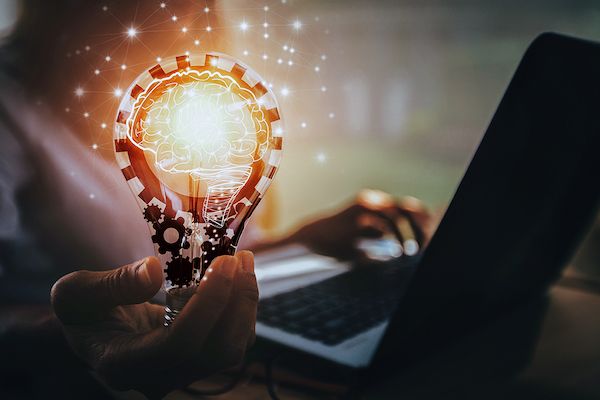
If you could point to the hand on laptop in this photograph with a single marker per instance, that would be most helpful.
(373, 214)
(109, 324)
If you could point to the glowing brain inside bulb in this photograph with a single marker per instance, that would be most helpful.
(199, 141)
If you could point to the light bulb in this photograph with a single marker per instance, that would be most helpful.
(198, 139)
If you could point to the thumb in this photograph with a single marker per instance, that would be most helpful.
(82, 296)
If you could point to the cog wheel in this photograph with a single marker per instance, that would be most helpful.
(153, 213)
(215, 233)
(170, 244)
(180, 271)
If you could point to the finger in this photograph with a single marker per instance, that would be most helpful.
(81, 296)
(203, 310)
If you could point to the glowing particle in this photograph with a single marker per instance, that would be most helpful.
(123, 67)
(87, 48)
(184, 29)
(265, 24)
(331, 115)
(107, 58)
(266, 8)
(174, 18)
(323, 88)
(206, 9)
(92, 196)
(118, 92)
(131, 32)
(104, 8)
(158, 59)
(297, 25)
(197, 42)
(279, 61)
(97, 71)
(285, 91)
(303, 125)
(67, 109)
(244, 26)
(86, 114)
(79, 91)
(163, 5)
(323, 57)
(245, 52)
(292, 50)
(103, 125)
(290, 63)
(285, 47)
(321, 157)
(265, 57)
(95, 146)
(266, 35)
(317, 69)
(208, 29)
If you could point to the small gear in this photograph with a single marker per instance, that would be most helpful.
(170, 244)
(180, 271)
(215, 233)
(153, 213)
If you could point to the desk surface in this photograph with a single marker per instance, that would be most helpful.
(565, 364)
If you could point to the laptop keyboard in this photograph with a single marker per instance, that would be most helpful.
(335, 309)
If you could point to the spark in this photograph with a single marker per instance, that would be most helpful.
(290, 63)
(123, 67)
(285, 47)
(131, 32)
(103, 125)
(86, 114)
(266, 35)
(97, 71)
(197, 42)
(285, 91)
(206, 9)
(279, 61)
(107, 58)
(158, 59)
(79, 91)
(265, 56)
(321, 157)
(163, 5)
(292, 50)
(297, 25)
(208, 29)
(87, 48)
(95, 146)
(184, 29)
(244, 26)
(174, 18)
(118, 92)
(265, 24)
(317, 69)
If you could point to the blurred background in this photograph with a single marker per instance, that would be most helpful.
(390, 95)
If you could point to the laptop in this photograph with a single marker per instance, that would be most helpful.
(519, 212)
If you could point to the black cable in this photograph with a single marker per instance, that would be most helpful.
(222, 390)
(269, 378)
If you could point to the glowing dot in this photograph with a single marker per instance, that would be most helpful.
(285, 91)
(79, 91)
(265, 24)
(317, 69)
(244, 26)
(297, 25)
(245, 52)
(290, 63)
(158, 59)
(303, 124)
(323, 57)
(206, 9)
(321, 157)
(92, 196)
(86, 114)
(279, 131)
(285, 47)
(123, 67)
(107, 58)
(87, 48)
(184, 29)
(104, 8)
(95, 146)
(97, 71)
(209, 270)
(208, 29)
(266, 35)
(103, 125)
(213, 248)
(197, 42)
(67, 109)
(331, 115)
(163, 5)
(279, 61)
(118, 92)
(174, 18)
(323, 88)
(131, 32)
(266, 8)
(292, 50)
(265, 56)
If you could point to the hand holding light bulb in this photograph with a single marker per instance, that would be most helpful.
(198, 140)
(109, 325)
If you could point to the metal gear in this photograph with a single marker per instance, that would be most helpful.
(179, 271)
(153, 213)
(172, 246)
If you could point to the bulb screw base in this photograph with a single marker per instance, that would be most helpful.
(176, 300)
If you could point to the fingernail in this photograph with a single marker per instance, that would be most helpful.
(141, 272)
(228, 266)
(247, 259)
